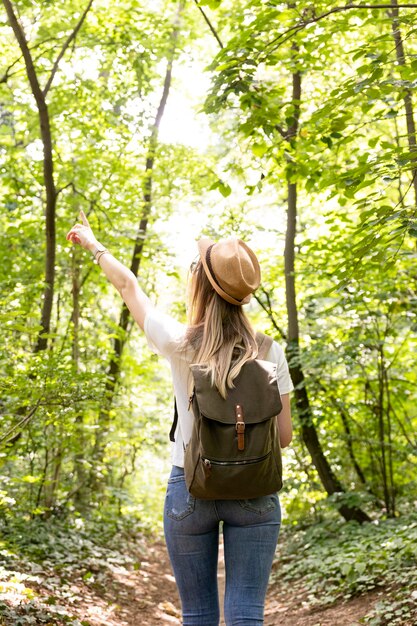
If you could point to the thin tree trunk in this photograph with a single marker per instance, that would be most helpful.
(114, 368)
(48, 164)
(79, 456)
(393, 490)
(408, 94)
(381, 433)
(42, 481)
(385, 435)
(52, 484)
(346, 427)
(309, 433)
(48, 176)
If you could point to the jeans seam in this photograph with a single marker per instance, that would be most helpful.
(175, 479)
(216, 511)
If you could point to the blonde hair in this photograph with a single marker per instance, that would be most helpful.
(219, 332)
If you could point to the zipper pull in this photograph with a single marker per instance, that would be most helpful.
(206, 467)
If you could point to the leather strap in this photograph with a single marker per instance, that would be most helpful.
(174, 422)
(240, 427)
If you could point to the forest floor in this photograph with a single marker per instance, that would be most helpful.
(143, 595)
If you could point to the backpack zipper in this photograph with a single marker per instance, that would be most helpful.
(209, 462)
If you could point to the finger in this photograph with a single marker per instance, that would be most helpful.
(71, 232)
(73, 238)
(84, 219)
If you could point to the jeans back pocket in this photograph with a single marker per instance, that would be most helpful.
(260, 506)
(179, 503)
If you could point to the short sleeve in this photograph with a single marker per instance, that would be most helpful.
(163, 332)
(276, 355)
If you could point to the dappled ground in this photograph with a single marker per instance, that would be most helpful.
(109, 591)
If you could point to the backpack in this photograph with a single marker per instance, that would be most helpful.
(234, 451)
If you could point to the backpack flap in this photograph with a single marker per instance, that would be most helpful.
(254, 376)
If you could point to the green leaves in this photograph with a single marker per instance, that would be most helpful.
(223, 187)
(332, 561)
(212, 4)
(352, 166)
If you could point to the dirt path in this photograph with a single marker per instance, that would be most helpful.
(148, 597)
(113, 594)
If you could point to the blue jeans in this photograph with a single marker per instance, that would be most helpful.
(250, 534)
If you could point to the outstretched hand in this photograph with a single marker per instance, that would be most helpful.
(82, 233)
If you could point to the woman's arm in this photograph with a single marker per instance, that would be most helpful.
(284, 421)
(118, 274)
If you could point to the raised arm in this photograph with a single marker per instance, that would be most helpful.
(118, 274)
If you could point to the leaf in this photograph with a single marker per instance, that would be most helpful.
(30, 479)
(259, 149)
(212, 4)
(346, 568)
(223, 187)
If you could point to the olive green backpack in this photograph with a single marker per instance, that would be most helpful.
(234, 451)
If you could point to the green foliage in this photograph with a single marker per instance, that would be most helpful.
(352, 159)
(402, 610)
(70, 444)
(65, 444)
(56, 555)
(331, 560)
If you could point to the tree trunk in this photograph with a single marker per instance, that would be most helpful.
(48, 164)
(80, 493)
(385, 435)
(48, 176)
(408, 95)
(113, 372)
(346, 427)
(309, 434)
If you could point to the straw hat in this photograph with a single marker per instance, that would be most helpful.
(231, 267)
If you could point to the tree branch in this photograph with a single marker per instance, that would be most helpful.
(21, 39)
(282, 132)
(269, 311)
(6, 74)
(297, 27)
(64, 49)
(21, 424)
(209, 24)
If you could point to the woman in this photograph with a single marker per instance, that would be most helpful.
(220, 336)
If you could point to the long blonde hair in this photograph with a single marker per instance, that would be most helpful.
(219, 332)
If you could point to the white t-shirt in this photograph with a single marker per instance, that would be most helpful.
(164, 334)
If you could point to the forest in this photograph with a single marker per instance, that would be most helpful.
(289, 124)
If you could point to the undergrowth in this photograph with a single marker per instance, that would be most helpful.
(40, 561)
(336, 560)
(326, 562)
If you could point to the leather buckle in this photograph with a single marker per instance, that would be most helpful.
(240, 427)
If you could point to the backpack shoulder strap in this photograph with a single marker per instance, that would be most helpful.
(174, 423)
(264, 343)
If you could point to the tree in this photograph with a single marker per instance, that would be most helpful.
(114, 368)
(40, 95)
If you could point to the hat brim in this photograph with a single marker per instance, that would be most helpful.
(203, 245)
